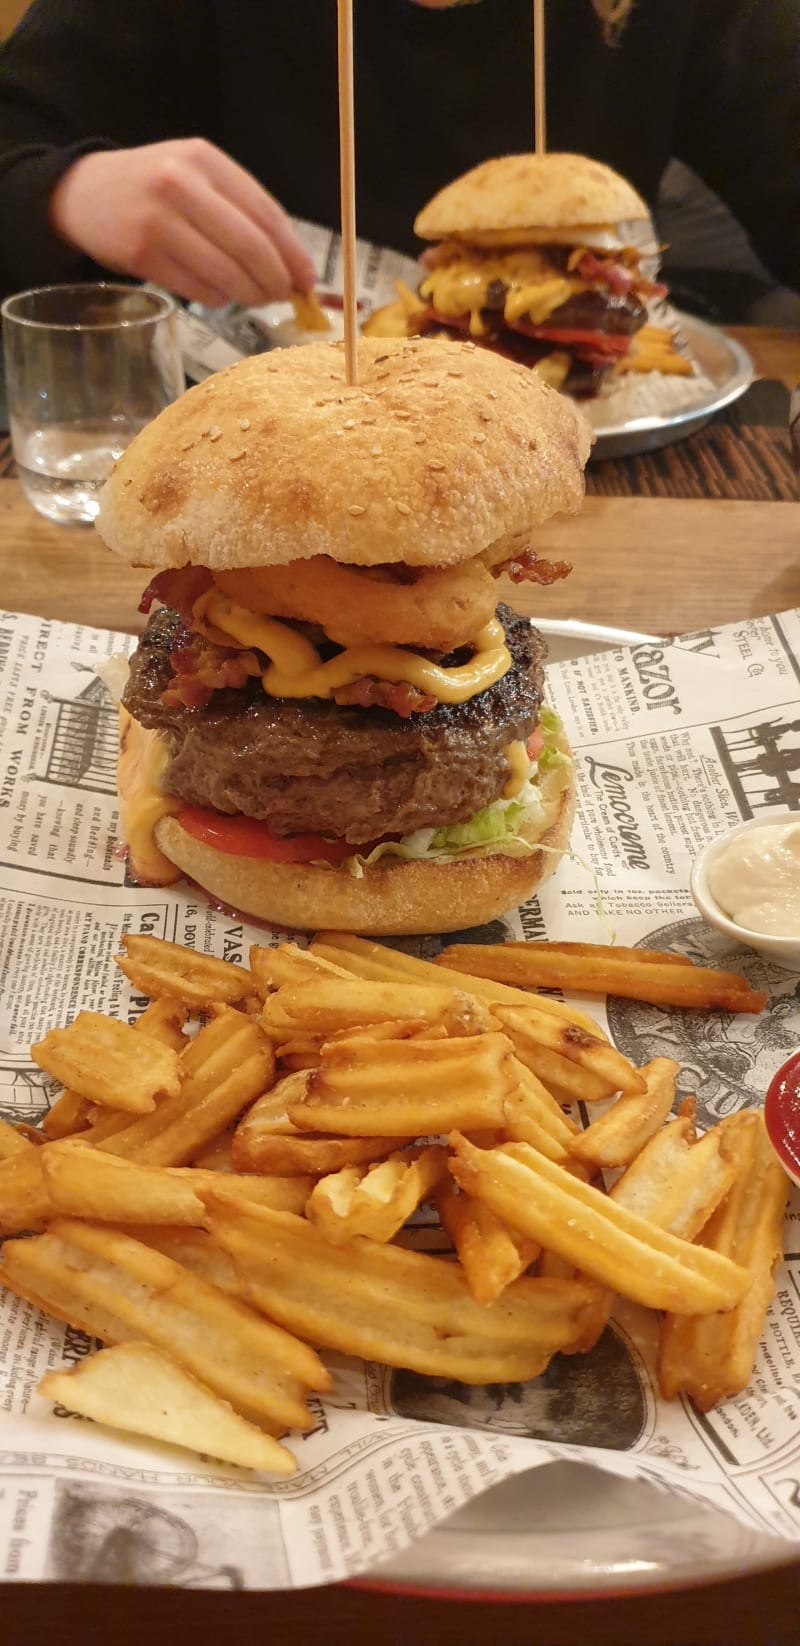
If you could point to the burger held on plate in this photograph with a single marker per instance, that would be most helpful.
(539, 258)
(329, 720)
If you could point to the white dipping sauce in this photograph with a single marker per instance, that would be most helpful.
(755, 879)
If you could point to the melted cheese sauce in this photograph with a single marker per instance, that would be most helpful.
(297, 670)
(535, 288)
(140, 768)
(519, 766)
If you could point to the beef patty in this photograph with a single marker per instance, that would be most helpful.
(314, 767)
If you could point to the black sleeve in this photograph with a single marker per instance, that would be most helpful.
(79, 75)
(739, 120)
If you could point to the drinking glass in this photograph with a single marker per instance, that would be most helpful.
(86, 367)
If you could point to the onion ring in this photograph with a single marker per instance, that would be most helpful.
(438, 609)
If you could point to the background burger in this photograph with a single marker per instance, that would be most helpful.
(329, 721)
(539, 258)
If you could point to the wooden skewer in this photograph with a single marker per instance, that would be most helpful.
(539, 110)
(347, 177)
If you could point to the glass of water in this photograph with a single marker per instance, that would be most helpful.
(86, 367)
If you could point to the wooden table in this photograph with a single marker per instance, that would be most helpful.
(659, 565)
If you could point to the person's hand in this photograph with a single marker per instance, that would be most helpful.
(185, 216)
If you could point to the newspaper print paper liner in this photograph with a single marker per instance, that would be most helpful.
(680, 1499)
(640, 412)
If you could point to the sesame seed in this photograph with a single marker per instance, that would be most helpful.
(485, 416)
(420, 439)
(233, 457)
(356, 508)
(186, 445)
(403, 508)
(430, 382)
(244, 422)
(492, 393)
(369, 420)
(452, 373)
(350, 423)
(435, 464)
(479, 438)
(377, 451)
(215, 433)
(402, 414)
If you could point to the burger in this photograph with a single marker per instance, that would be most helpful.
(538, 257)
(329, 720)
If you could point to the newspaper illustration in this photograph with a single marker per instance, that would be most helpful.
(213, 338)
(673, 743)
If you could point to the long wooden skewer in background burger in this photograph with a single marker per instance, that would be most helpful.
(539, 104)
(347, 185)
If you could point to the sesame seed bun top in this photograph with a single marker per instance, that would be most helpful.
(519, 199)
(442, 451)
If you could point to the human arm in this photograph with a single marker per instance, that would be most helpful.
(98, 167)
(739, 120)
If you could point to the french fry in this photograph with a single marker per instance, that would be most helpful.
(604, 970)
(194, 1249)
(24, 1201)
(711, 1357)
(603, 1239)
(526, 1026)
(227, 1066)
(407, 1088)
(217, 1156)
(163, 1021)
(490, 1254)
(400, 1307)
(531, 1115)
(567, 1082)
(68, 1115)
(375, 1201)
(308, 311)
(155, 967)
(12, 1142)
(109, 1063)
(327, 1006)
(143, 1391)
(676, 1181)
(288, 964)
(315, 1154)
(118, 1289)
(105, 1188)
(374, 960)
(618, 1136)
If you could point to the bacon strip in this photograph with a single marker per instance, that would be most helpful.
(201, 668)
(399, 696)
(179, 587)
(526, 567)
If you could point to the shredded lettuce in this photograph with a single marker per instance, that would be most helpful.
(493, 829)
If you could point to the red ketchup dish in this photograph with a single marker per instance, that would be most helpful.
(782, 1115)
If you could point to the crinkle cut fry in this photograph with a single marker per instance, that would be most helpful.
(587, 1228)
(117, 1288)
(398, 1307)
(375, 960)
(710, 1357)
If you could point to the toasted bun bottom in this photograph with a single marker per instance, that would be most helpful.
(394, 898)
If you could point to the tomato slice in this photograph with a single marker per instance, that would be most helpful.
(246, 837)
(535, 744)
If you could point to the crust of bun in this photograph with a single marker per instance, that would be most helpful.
(498, 201)
(394, 898)
(440, 450)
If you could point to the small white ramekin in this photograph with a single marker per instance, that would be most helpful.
(782, 951)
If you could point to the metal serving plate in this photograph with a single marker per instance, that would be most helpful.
(720, 358)
(567, 1531)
